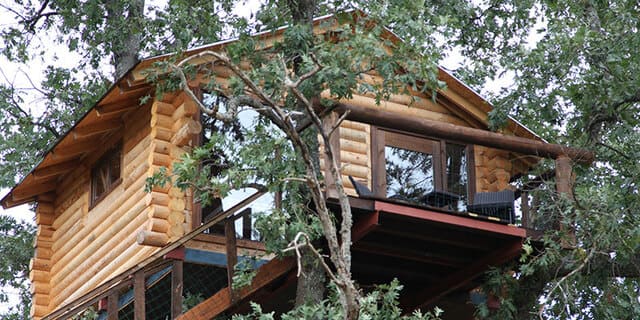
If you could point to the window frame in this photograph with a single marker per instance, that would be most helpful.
(105, 160)
(379, 140)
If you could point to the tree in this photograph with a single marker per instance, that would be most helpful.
(16, 240)
(576, 85)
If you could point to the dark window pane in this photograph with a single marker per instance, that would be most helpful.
(456, 173)
(99, 181)
(105, 174)
(114, 170)
(409, 173)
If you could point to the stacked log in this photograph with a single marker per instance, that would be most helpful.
(173, 129)
(185, 130)
(493, 169)
(40, 265)
(88, 239)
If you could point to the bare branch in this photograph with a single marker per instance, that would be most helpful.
(338, 122)
(564, 278)
(296, 245)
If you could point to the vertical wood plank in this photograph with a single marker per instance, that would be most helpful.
(278, 194)
(563, 175)
(441, 170)
(378, 170)
(471, 172)
(112, 306)
(564, 187)
(246, 224)
(232, 253)
(138, 295)
(524, 207)
(176, 288)
(328, 122)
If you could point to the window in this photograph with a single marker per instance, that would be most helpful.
(220, 159)
(105, 175)
(421, 170)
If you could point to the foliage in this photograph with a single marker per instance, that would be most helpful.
(575, 83)
(380, 303)
(88, 314)
(16, 240)
(191, 300)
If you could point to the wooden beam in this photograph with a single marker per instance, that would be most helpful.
(75, 148)
(138, 295)
(221, 301)
(365, 225)
(462, 277)
(26, 191)
(449, 219)
(97, 128)
(395, 251)
(176, 288)
(441, 130)
(449, 237)
(54, 170)
(119, 107)
(177, 254)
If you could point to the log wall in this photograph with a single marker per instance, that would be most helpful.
(494, 167)
(79, 246)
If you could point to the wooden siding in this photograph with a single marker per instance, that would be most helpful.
(86, 246)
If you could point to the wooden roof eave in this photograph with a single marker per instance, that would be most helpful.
(102, 119)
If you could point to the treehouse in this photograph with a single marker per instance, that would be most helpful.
(431, 188)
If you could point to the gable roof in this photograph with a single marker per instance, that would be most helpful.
(105, 117)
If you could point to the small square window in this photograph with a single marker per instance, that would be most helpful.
(105, 175)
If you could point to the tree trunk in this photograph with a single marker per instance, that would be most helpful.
(312, 281)
(126, 46)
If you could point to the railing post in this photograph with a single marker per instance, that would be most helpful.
(524, 207)
(232, 253)
(112, 306)
(138, 295)
(176, 288)
(246, 224)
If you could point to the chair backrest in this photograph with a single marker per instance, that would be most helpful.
(504, 196)
(361, 189)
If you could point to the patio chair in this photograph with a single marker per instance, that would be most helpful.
(494, 204)
(361, 189)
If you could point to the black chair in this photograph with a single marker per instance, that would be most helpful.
(440, 199)
(494, 204)
(361, 189)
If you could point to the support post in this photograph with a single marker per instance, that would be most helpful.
(112, 306)
(524, 207)
(138, 295)
(176, 288)
(232, 253)
(564, 187)
(328, 122)
(246, 224)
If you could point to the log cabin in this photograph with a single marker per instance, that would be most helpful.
(104, 243)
